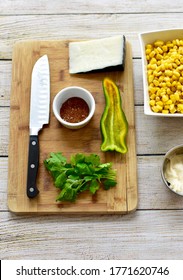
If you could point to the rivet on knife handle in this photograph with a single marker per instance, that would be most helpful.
(33, 162)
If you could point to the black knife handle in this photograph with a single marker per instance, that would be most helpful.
(33, 163)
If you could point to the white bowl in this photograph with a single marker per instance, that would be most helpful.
(149, 38)
(177, 150)
(65, 94)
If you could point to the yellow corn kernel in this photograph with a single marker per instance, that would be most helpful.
(161, 79)
(172, 97)
(165, 98)
(154, 109)
(153, 96)
(152, 102)
(166, 64)
(159, 50)
(148, 67)
(157, 108)
(180, 68)
(169, 44)
(179, 107)
(163, 84)
(160, 108)
(162, 92)
(180, 50)
(170, 66)
(160, 103)
(179, 87)
(181, 79)
(174, 42)
(156, 51)
(168, 84)
(174, 78)
(149, 46)
(152, 54)
(168, 91)
(166, 79)
(158, 69)
(159, 56)
(172, 109)
(158, 74)
(151, 78)
(176, 96)
(149, 72)
(177, 61)
(153, 60)
(158, 94)
(152, 90)
(174, 84)
(153, 66)
(169, 102)
(176, 73)
(159, 90)
(165, 111)
(147, 51)
(156, 83)
(164, 48)
(158, 43)
(167, 107)
(178, 42)
(168, 73)
(162, 66)
(174, 65)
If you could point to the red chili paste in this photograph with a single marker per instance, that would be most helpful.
(74, 110)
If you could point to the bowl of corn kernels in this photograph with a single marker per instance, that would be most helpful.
(162, 66)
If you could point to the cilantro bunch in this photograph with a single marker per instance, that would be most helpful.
(83, 172)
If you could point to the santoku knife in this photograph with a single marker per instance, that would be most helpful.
(39, 115)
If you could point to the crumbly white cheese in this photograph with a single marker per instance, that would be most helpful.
(96, 54)
(174, 173)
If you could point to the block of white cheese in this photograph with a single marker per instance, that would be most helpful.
(96, 55)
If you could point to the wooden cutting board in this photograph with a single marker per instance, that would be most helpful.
(53, 138)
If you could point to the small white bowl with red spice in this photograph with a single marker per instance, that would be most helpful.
(74, 107)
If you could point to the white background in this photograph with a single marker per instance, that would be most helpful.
(9, 269)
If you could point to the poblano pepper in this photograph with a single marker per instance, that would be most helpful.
(113, 124)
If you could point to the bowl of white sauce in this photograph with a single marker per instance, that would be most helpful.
(172, 169)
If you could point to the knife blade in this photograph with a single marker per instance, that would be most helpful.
(39, 115)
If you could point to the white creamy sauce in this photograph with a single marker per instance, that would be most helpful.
(174, 173)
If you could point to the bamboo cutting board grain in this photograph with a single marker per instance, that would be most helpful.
(53, 138)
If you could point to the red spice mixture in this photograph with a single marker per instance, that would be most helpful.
(74, 110)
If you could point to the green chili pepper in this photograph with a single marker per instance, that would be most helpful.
(113, 123)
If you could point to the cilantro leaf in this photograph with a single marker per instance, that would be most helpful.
(67, 194)
(93, 159)
(60, 180)
(94, 186)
